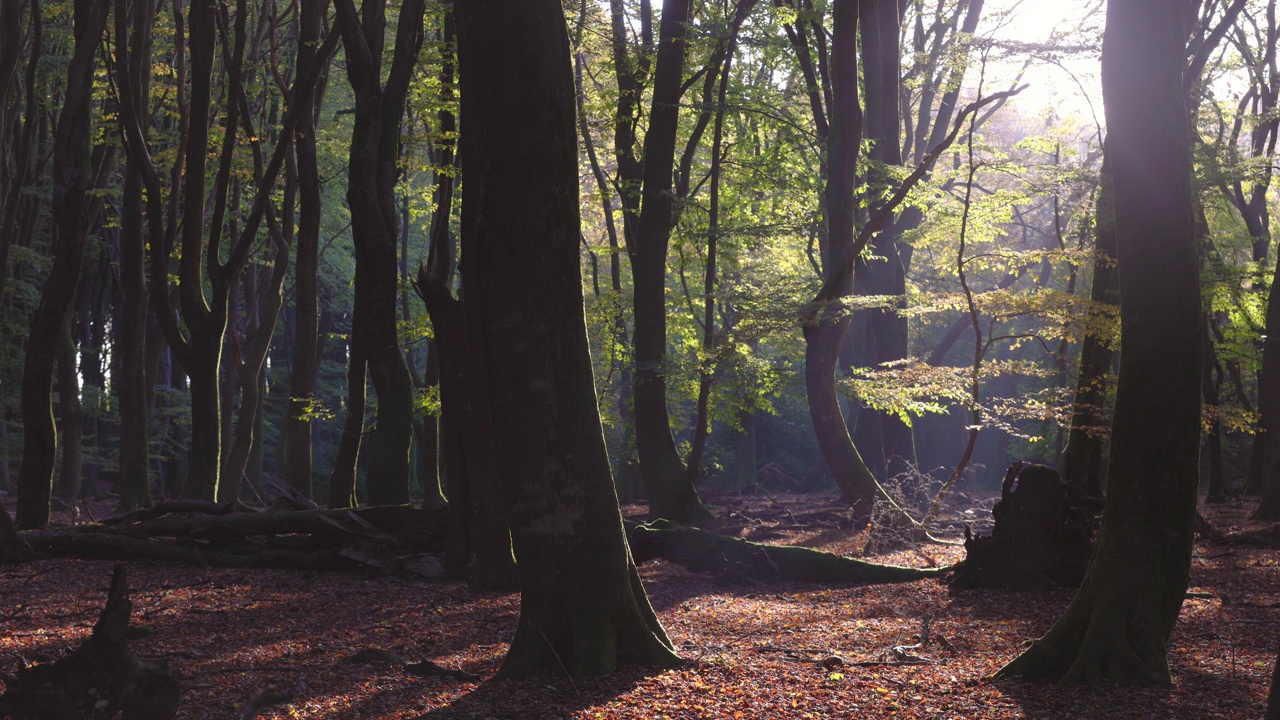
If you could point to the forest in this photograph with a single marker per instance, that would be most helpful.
(639, 359)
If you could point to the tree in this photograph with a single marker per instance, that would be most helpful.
(671, 494)
(371, 179)
(306, 348)
(1117, 627)
(71, 205)
(825, 333)
(582, 604)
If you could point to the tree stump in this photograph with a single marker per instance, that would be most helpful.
(100, 679)
(1043, 534)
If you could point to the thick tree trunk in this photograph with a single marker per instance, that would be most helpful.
(671, 494)
(72, 177)
(582, 605)
(478, 522)
(1117, 628)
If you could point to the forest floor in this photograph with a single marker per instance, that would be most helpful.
(752, 651)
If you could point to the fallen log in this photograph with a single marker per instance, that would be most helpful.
(13, 549)
(734, 560)
(386, 538)
(101, 678)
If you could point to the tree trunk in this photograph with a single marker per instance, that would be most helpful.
(72, 176)
(825, 333)
(71, 420)
(881, 68)
(371, 179)
(306, 348)
(582, 605)
(342, 482)
(671, 494)
(1082, 458)
(478, 523)
(1117, 628)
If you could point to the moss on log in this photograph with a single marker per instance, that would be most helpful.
(734, 559)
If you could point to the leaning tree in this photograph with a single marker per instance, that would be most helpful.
(1117, 628)
(582, 606)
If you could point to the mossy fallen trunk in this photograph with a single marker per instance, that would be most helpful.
(733, 559)
(386, 538)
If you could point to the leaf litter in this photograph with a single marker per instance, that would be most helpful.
(280, 644)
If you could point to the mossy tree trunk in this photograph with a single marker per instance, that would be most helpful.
(1117, 628)
(582, 605)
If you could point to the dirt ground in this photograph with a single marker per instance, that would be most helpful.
(752, 651)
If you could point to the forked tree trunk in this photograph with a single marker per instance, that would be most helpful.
(825, 334)
(1117, 628)
(371, 179)
(72, 177)
(582, 605)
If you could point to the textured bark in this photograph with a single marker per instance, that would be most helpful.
(824, 335)
(1117, 628)
(671, 494)
(306, 347)
(70, 205)
(733, 559)
(582, 605)
(881, 66)
(371, 179)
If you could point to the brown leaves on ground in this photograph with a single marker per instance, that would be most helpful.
(273, 644)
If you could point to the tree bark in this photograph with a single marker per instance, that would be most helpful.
(582, 605)
(671, 494)
(72, 177)
(881, 68)
(825, 334)
(304, 373)
(371, 179)
(1117, 628)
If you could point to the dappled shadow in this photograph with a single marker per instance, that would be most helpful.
(1042, 700)
(550, 696)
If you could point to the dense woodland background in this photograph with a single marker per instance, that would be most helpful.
(264, 255)
(988, 305)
